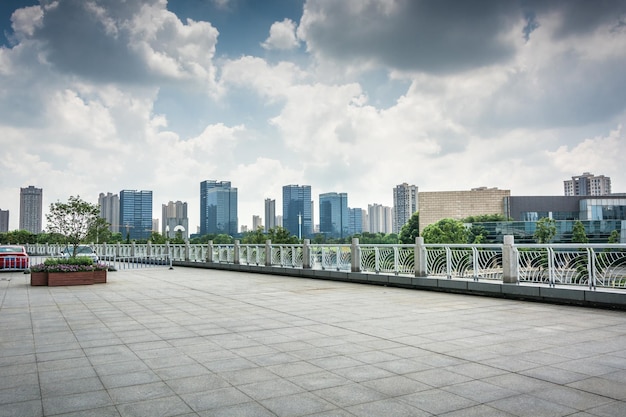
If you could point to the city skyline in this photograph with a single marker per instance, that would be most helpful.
(157, 95)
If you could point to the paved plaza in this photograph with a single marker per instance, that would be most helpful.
(197, 342)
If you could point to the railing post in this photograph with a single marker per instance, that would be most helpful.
(420, 257)
(306, 254)
(209, 252)
(149, 249)
(509, 261)
(236, 253)
(118, 249)
(187, 251)
(355, 255)
(268, 253)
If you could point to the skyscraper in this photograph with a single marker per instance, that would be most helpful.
(218, 208)
(355, 221)
(110, 210)
(4, 221)
(404, 205)
(297, 210)
(31, 202)
(588, 184)
(136, 213)
(270, 214)
(334, 214)
(174, 219)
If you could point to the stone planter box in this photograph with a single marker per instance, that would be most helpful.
(38, 278)
(56, 279)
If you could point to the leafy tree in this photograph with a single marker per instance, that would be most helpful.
(483, 218)
(72, 220)
(280, 235)
(614, 237)
(257, 237)
(477, 234)
(410, 230)
(578, 233)
(99, 231)
(546, 230)
(223, 239)
(445, 231)
(157, 238)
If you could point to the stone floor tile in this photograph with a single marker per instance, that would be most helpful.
(525, 405)
(297, 405)
(221, 397)
(162, 407)
(76, 402)
(601, 386)
(437, 401)
(276, 387)
(387, 407)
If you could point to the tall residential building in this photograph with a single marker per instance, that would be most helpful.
(334, 217)
(588, 184)
(110, 210)
(380, 218)
(4, 221)
(136, 214)
(218, 208)
(270, 214)
(31, 203)
(355, 221)
(298, 210)
(174, 219)
(257, 222)
(404, 205)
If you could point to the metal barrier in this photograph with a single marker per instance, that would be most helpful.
(590, 265)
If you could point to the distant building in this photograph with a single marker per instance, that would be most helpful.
(279, 220)
(136, 214)
(380, 218)
(110, 210)
(31, 203)
(587, 184)
(355, 221)
(270, 214)
(365, 221)
(437, 205)
(334, 217)
(405, 203)
(218, 208)
(298, 210)
(4, 221)
(174, 220)
(257, 222)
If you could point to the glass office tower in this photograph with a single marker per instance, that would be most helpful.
(218, 208)
(334, 214)
(297, 210)
(136, 214)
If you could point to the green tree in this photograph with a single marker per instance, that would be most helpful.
(614, 237)
(223, 239)
(476, 234)
(280, 235)
(546, 230)
(157, 238)
(578, 233)
(483, 218)
(99, 231)
(410, 230)
(72, 220)
(256, 237)
(445, 231)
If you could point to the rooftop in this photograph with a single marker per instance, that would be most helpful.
(197, 342)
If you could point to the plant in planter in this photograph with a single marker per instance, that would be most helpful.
(70, 271)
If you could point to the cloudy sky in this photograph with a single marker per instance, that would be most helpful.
(351, 96)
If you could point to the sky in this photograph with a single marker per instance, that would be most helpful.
(352, 96)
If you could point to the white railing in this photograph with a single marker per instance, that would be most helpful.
(591, 265)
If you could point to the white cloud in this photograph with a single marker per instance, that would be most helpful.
(282, 36)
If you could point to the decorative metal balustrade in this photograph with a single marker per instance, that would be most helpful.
(590, 265)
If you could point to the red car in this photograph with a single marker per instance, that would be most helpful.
(13, 257)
